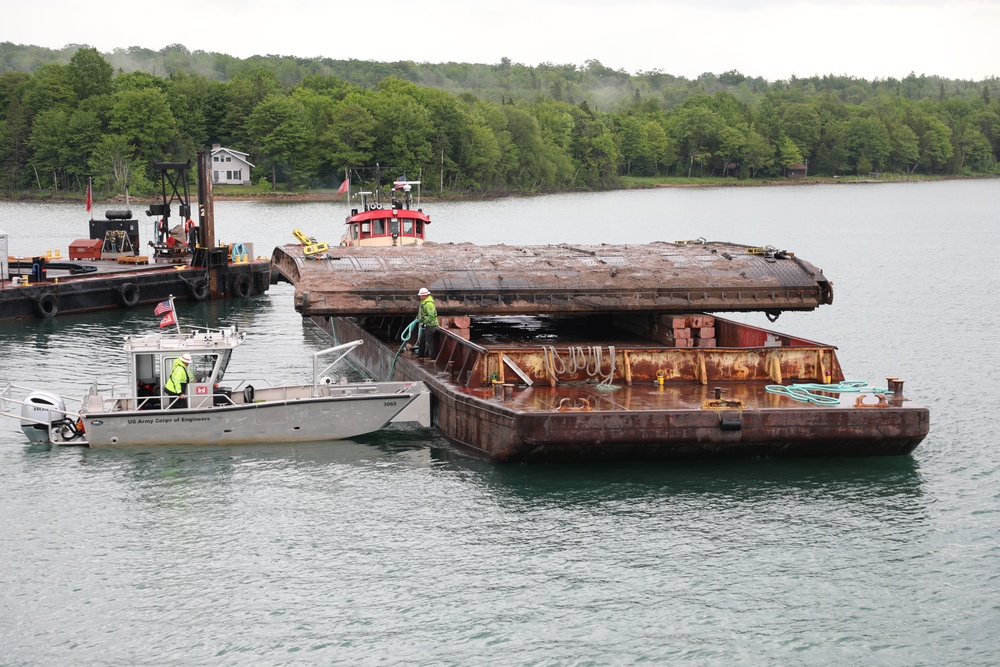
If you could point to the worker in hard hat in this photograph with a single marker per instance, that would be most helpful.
(427, 318)
(180, 375)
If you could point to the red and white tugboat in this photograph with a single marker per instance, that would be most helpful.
(392, 220)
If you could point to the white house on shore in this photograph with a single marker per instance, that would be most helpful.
(230, 167)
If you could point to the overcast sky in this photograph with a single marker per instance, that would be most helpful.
(775, 40)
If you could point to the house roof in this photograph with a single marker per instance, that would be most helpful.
(237, 154)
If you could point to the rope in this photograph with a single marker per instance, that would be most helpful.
(405, 337)
(589, 360)
(804, 392)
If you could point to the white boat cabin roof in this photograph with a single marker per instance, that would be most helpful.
(196, 340)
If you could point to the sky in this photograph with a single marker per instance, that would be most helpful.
(775, 40)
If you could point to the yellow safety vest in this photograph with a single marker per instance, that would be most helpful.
(176, 381)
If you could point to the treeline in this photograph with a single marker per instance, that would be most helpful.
(72, 114)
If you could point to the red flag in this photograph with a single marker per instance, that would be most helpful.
(167, 320)
(162, 307)
(89, 195)
(343, 187)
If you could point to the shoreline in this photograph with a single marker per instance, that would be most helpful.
(333, 196)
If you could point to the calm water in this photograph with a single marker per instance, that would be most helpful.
(393, 549)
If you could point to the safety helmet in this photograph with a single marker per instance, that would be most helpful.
(186, 358)
(424, 292)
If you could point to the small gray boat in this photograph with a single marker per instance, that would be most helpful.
(215, 409)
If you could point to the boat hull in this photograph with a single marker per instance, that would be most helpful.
(304, 420)
(516, 429)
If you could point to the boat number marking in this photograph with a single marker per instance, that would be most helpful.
(389, 404)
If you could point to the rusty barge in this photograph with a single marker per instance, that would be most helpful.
(110, 270)
(558, 353)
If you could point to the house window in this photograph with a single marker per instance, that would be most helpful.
(215, 158)
(215, 176)
(229, 159)
(229, 175)
(238, 174)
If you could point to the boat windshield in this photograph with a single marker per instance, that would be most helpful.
(223, 365)
(210, 367)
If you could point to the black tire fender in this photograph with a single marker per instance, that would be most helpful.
(47, 305)
(198, 289)
(241, 287)
(128, 295)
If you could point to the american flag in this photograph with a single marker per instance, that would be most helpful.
(162, 307)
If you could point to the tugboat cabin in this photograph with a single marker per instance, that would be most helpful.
(392, 224)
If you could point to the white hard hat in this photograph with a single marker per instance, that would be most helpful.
(186, 358)
(423, 292)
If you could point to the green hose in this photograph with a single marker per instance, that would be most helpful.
(804, 392)
(405, 337)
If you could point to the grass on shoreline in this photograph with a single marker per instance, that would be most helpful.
(256, 192)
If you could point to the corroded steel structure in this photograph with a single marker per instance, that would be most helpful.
(531, 280)
(568, 352)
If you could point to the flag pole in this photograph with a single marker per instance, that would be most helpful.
(176, 323)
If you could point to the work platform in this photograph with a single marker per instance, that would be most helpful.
(555, 279)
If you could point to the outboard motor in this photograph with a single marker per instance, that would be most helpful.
(45, 407)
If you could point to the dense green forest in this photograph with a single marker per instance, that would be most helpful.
(74, 113)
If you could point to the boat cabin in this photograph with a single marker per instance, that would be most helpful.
(151, 359)
(386, 224)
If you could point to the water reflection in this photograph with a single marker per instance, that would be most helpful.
(859, 480)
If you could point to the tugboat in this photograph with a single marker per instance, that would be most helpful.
(214, 408)
(381, 220)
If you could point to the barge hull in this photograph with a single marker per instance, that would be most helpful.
(126, 288)
(507, 431)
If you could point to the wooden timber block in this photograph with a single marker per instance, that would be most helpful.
(700, 321)
(682, 333)
(704, 342)
(680, 322)
(684, 342)
(460, 321)
(706, 332)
